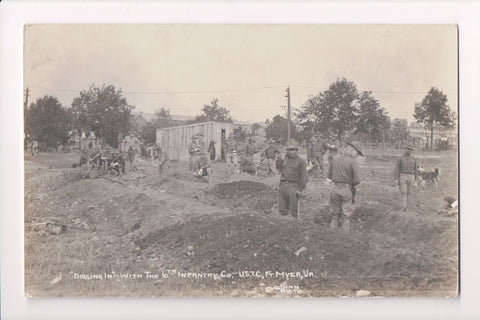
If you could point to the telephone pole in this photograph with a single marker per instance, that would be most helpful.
(26, 98)
(288, 112)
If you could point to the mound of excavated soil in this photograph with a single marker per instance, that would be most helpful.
(245, 196)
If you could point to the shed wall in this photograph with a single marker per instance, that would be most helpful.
(175, 140)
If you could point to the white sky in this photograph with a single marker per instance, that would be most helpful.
(248, 67)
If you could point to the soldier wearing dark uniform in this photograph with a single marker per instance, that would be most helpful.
(293, 179)
(406, 174)
(345, 174)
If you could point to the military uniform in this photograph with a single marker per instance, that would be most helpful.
(406, 175)
(232, 151)
(250, 149)
(194, 151)
(270, 156)
(345, 174)
(293, 179)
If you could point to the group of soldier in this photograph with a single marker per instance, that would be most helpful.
(343, 171)
(343, 174)
(104, 157)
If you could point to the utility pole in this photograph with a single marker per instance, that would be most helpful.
(26, 98)
(288, 112)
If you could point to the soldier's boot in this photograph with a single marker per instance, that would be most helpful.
(346, 226)
(334, 223)
(404, 202)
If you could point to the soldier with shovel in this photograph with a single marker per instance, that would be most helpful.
(293, 179)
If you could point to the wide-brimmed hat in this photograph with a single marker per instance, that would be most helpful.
(356, 146)
(408, 147)
(194, 137)
(292, 146)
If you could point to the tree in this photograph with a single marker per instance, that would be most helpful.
(333, 111)
(372, 119)
(399, 131)
(148, 133)
(105, 111)
(434, 111)
(316, 115)
(48, 122)
(277, 129)
(163, 118)
(214, 112)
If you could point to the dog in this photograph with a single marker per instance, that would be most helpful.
(426, 176)
(118, 164)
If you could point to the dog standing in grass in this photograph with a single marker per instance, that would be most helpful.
(406, 174)
(425, 176)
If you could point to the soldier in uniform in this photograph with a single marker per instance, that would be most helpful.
(130, 144)
(318, 149)
(250, 148)
(270, 153)
(160, 154)
(194, 151)
(293, 180)
(231, 150)
(345, 174)
(406, 174)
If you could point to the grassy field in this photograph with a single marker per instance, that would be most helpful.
(145, 235)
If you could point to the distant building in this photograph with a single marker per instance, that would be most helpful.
(423, 135)
(138, 120)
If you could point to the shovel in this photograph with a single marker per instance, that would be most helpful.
(298, 205)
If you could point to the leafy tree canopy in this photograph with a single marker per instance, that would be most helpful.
(214, 112)
(103, 110)
(48, 122)
(277, 129)
(434, 111)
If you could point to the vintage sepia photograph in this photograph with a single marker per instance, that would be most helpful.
(241, 160)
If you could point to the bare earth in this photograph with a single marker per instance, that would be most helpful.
(145, 235)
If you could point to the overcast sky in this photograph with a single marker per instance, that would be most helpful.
(248, 67)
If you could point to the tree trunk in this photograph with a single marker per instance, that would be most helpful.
(431, 137)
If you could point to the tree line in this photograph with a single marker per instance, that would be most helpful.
(337, 112)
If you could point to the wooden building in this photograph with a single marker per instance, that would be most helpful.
(175, 140)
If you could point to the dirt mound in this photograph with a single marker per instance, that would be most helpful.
(252, 242)
(240, 188)
(245, 196)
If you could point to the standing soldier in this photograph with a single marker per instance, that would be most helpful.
(345, 174)
(406, 174)
(292, 180)
(232, 151)
(194, 151)
(318, 150)
(161, 155)
(250, 148)
(129, 146)
(201, 143)
(270, 153)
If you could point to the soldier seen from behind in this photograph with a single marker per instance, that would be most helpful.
(345, 174)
